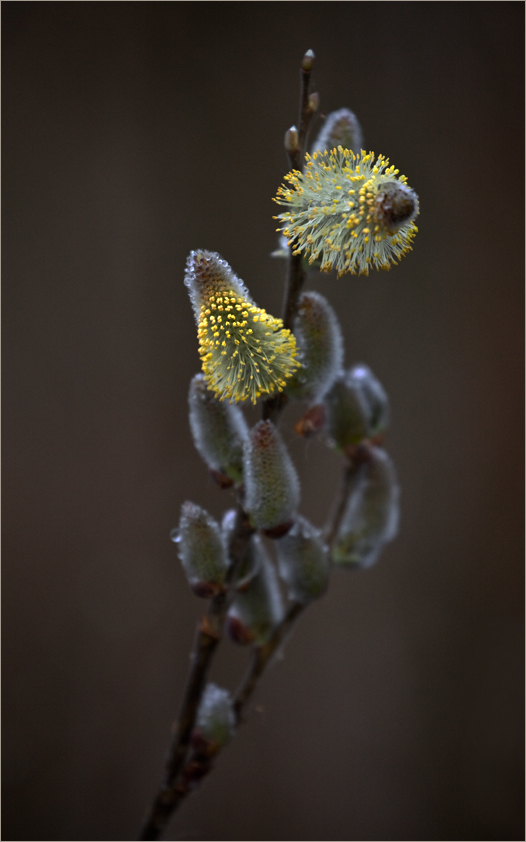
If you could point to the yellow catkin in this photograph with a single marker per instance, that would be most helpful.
(245, 352)
(349, 212)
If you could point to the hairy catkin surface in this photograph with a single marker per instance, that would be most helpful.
(272, 488)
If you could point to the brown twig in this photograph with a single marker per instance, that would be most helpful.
(261, 657)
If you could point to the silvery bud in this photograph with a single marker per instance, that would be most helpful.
(341, 128)
(255, 613)
(320, 344)
(303, 562)
(218, 429)
(272, 488)
(357, 408)
(215, 723)
(201, 550)
(308, 61)
(291, 139)
(251, 561)
(371, 514)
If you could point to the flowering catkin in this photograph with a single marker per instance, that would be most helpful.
(245, 353)
(303, 562)
(371, 514)
(352, 211)
(272, 489)
(218, 429)
(320, 345)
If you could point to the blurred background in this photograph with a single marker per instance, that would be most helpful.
(133, 133)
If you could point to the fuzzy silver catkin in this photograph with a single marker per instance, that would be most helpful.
(357, 408)
(272, 488)
(375, 398)
(202, 550)
(215, 717)
(251, 561)
(371, 515)
(320, 344)
(341, 128)
(255, 612)
(303, 562)
(218, 429)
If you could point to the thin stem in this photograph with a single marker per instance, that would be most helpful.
(262, 655)
(208, 635)
(274, 406)
(333, 524)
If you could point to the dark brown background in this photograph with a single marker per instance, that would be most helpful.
(132, 133)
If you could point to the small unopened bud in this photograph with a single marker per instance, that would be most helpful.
(341, 128)
(201, 550)
(216, 720)
(308, 60)
(251, 560)
(291, 139)
(303, 562)
(272, 488)
(314, 101)
(357, 408)
(320, 343)
(371, 514)
(218, 429)
(396, 205)
(255, 613)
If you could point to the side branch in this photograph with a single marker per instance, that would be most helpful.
(199, 763)
(262, 655)
(208, 636)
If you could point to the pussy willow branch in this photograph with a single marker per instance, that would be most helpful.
(210, 629)
(208, 635)
(198, 764)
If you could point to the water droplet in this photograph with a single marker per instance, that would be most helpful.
(175, 535)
